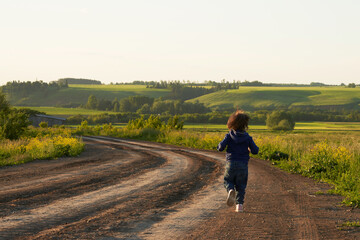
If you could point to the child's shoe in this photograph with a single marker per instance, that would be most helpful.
(239, 208)
(230, 201)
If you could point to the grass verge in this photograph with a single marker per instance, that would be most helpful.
(40, 144)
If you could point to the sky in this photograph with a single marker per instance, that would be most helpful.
(278, 41)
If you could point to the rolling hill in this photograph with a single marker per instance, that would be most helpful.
(78, 94)
(247, 98)
(255, 98)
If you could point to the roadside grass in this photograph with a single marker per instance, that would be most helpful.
(351, 224)
(346, 226)
(274, 97)
(39, 143)
(329, 156)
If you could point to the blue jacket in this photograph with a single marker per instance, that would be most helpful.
(238, 145)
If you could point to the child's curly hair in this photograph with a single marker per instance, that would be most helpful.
(239, 120)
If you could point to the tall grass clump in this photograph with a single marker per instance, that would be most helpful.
(151, 129)
(329, 157)
(38, 143)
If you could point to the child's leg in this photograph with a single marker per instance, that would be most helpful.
(240, 185)
(229, 178)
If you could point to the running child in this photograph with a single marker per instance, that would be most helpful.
(239, 144)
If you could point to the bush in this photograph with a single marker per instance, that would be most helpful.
(41, 147)
(13, 124)
(43, 124)
(280, 120)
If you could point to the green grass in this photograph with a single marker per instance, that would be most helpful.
(39, 143)
(246, 97)
(79, 94)
(312, 126)
(351, 224)
(274, 97)
(65, 112)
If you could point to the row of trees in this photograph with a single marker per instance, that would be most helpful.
(25, 89)
(145, 105)
(66, 81)
(257, 117)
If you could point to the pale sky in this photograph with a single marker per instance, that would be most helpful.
(289, 41)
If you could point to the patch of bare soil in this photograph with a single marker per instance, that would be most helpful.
(122, 189)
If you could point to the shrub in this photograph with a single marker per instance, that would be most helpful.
(13, 124)
(174, 123)
(280, 120)
(153, 122)
(43, 124)
(41, 147)
(327, 162)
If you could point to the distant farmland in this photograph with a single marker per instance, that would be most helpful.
(250, 98)
(78, 94)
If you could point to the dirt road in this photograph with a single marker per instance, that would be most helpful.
(123, 189)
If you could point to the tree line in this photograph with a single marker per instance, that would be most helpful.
(225, 84)
(25, 89)
(78, 81)
(257, 117)
(145, 105)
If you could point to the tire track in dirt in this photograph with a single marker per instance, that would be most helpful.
(65, 209)
(164, 199)
(182, 198)
(76, 180)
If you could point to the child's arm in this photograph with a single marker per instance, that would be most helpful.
(253, 148)
(223, 143)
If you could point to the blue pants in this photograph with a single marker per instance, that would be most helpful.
(236, 177)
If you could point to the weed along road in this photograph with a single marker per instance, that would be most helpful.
(127, 189)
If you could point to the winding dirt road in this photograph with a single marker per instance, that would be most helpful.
(124, 189)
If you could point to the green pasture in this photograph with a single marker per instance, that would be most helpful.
(65, 112)
(275, 97)
(78, 94)
(313, 126)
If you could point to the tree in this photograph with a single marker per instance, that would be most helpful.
(13, 124)
(144, 109)
(280, 120)
(351, 85)
(125, 105)
(4, 105)
(92, 102)
(105, 105)
(116, 107)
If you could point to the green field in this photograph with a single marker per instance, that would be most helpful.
(65, 112)
(249, 98)
(78, 94)
(313, 126)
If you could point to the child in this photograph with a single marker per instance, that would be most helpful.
(239, 144)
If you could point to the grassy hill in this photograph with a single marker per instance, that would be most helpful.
(250, 98)
(78, 94)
